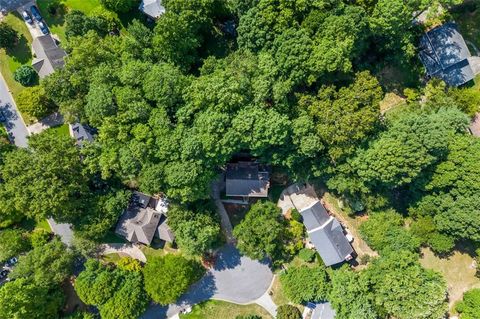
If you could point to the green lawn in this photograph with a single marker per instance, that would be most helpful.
(21, 54)
(111, 258)
(56, 22)
(43, 225)
(214, 309)
(61, 130)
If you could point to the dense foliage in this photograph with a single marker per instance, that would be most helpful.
(8, 36)
(177, 274)
(116, 292)
(288, 312)
(25, 75)
(12, 242)
(305, 284)
(469, 307)
(261, 233)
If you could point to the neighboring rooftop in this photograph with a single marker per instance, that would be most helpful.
(152, 8)
(144, 219)
(247, 179)
(445, 55)
(326, 234)
(48, 55)
(80, 133)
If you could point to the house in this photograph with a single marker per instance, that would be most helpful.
(152, 8)
(247, 179)
(80, 133)
(48, 56)
(445, 55)
(326, 234)
(144, 219)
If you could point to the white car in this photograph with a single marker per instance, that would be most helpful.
(27, 17)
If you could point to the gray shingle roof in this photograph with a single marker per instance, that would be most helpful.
(152, 8)
(323, 311)
(48, 56)
(141, 222)
(326, 234)
(80, 133)
(247, 179)
(445, 55)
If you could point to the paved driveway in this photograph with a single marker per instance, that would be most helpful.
(15, 126)
(235, 278)
(63, 230)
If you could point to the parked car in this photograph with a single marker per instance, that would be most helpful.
(35, 13)
(43, 27)
(27, 17)
(4, 273)
(3, 118)
(12, 261)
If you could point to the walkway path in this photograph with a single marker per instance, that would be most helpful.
(267, 303)
(63, 230)
(224, 219)
(128, 249)
(235, 278)
(14, 124)
(52, 120)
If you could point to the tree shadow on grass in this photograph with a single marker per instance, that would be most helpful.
(21, 51)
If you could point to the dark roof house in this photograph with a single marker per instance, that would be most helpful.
(48, 55)
(445, 55)
(247, 179)
(326, 234)
(152, 8)
(80, 133)
(144, 219)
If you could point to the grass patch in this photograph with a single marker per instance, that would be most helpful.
(111, 258)
(278, 296)
(56, 22)
(214, 309)
(390, 102)
(12, 59)
(43, 225)
(61, 130)
(457, 269)
(150, 252)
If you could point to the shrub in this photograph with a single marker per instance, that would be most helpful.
(306, 254)
(248, 317)
(365, 259)
(296, 215)
(129, 264)
(288, 312)
(34, 102)
(39, 237)
(441, 243)
(12, 242)
(25, 75)
(469, 307)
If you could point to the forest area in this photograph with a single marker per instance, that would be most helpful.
(296, 84)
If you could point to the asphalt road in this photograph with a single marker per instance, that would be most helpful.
(235, 278)
(14, 124)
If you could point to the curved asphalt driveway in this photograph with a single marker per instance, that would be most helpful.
(235, 278)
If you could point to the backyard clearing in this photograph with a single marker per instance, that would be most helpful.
(214, 309)
(458, 270)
